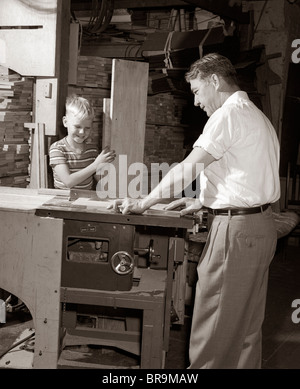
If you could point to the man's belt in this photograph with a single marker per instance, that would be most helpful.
(238, 211)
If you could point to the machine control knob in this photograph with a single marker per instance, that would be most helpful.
(149, 253)
(122, 262)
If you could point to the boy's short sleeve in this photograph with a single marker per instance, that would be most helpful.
(56, 155)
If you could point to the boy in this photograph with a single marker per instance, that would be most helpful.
(75, 162)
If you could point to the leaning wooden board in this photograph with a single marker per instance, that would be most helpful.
(124, 119)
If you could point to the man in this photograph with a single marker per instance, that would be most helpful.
(239, 150)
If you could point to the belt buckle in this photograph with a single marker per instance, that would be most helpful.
(264, 207)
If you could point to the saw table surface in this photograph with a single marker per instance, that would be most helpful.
(85, 205)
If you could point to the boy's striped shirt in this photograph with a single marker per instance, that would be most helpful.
(60, 152)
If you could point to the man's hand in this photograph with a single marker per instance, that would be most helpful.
(128, 205)
(190, 205)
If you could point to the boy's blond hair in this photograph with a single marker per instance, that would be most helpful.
(79, 106)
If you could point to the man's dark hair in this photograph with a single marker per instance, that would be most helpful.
(212, 63)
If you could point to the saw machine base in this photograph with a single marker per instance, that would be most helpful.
(117, 275)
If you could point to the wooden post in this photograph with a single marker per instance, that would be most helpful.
(38, 167)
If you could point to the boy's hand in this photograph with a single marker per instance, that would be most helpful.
(106, 156)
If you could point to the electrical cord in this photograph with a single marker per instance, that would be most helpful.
(101, 15)
(17, 344)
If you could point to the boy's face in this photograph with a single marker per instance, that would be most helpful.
(79, 129)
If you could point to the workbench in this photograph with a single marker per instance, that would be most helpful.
(35, 227)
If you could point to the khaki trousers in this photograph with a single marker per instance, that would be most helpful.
(231, 292)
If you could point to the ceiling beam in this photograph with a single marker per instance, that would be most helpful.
(149, 3)
(80, 5)
(219, 7)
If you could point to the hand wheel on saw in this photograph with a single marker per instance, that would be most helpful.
(122, 262)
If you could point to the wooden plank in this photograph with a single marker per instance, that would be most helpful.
(73, 53)
(130, 346)
(62, 66)
(41, 156)
(128, 117)
(23, 199)
(12, 265)
(106, 136)
(38, 178)
(179, 286)
(46, 104)
(30, 266)
(46, 256)
(34, 162)
(65, 363)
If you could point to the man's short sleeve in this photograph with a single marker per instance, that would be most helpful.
(218, 134)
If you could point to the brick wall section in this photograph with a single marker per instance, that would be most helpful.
(163, 144)
(165, 108)
(164, 137)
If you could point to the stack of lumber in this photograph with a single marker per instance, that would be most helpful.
(168, 80)
(94, 72)
(16, 101)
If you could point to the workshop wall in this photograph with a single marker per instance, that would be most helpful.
(276, 27)
(172, 124)
(257, 50)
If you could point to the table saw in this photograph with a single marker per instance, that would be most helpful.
(91, 275)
